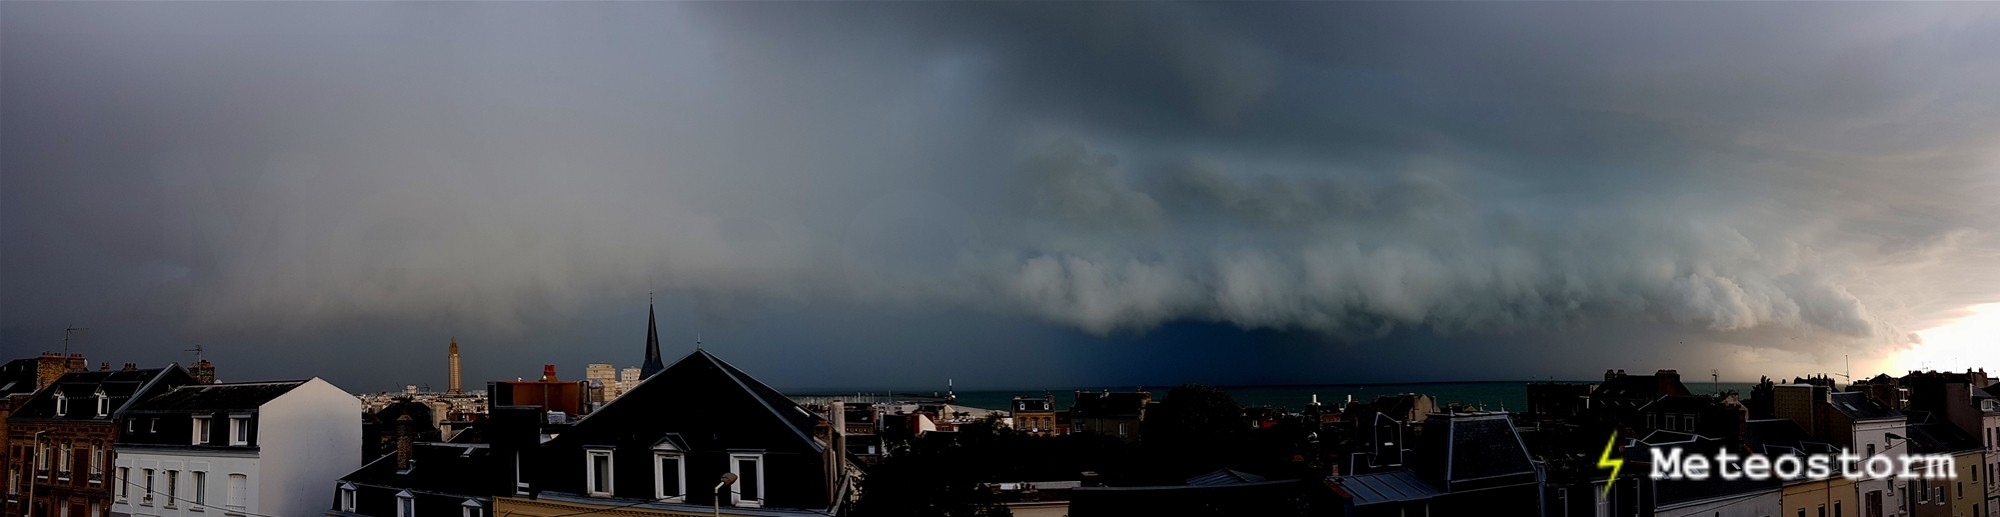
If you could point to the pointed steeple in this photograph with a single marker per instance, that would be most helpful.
(653, 364)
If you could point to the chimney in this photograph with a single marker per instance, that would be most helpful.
(78, 364)
(48, 368)
(548, 373)
(404, 442)
(203, 372)
(104, 367)
(1666, 379)
(131, 367)
(837, 447)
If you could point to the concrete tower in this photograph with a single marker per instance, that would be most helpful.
(455, 386)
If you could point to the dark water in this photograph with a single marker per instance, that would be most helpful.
(1495, 395)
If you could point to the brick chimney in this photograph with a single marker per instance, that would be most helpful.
(48, 368)
(131, 367)
(203, 372)
(405, 443)
(104, 367)
(76, 363)
(548, 373)
(1665, 381)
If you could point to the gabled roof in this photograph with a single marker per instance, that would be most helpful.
(711, 403)
(1476, 447)
(17, 377)
(81, 388)
(214, 397)
(1940, 437)
(1225, 477)
(437, 468)
(1782, 436)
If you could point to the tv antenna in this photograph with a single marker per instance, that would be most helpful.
(197, 352)
(66, 334)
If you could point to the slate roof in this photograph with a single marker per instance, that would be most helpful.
(1678, 404)
(1940, 437)
(213, 397)
(81, 388)
(438, 468)
(1859, 406)
(1636, 386)
(1782, 436)
(1476, 447)
(17, 377)
(711, 403)
(1385, 487)
(1225, 477)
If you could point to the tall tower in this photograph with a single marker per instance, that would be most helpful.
(455, 386)
(652, 365)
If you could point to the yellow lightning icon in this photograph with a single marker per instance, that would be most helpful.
(1605, 462)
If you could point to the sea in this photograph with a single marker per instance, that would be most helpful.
(1488, 395)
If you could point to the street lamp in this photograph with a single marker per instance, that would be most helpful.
(31, 471)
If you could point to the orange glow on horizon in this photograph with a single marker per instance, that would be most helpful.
(1970, 342)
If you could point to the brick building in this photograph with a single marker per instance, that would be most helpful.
(59, 441)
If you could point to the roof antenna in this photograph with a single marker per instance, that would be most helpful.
(66, 333)
(197, 352)
(697, 341)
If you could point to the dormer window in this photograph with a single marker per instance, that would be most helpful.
(597, 472)
(669, 473)
(62, 405)
(239, 430)
(103, 404)
(202, 430)
(749, 488)
(406, 504)
(347, 497)
(471, 508)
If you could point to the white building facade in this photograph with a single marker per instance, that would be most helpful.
(238, 449)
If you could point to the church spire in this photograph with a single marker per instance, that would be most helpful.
(652, 365)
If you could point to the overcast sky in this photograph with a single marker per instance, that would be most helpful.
(890, 194)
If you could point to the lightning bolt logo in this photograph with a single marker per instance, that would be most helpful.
(1605, 462)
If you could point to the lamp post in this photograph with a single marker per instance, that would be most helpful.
(728, 478)
(37, 446)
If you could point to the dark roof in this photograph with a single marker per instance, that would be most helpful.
(121, 386)
(439, 468)
(709, 402)
(212, 397)
(1110, 404)
(1781, 436)
(652, 365)
(1476, 447)
(1385, 487)
(1678, 404)
(1859, 406)
(17, 377)
(1637, 386)
(1225, 477)
(1940, 437)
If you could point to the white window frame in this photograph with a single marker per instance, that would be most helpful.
(62, 405)
(736, 493)
(96, 464)
(124, 483)
(590, 457)
(471, 508)
(204, 427)
(236, 498)
(520, 484)
(347, 497)
(659, 475)
(64, 456)
(148, 498)
(239, 429)
(103, 404)
(406, 504)
(200, 479)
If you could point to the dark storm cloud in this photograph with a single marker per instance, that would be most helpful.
(1345, 171)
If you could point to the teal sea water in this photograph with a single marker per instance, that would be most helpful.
(1492, 395)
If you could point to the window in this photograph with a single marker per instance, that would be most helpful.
(200, 487)
(406, 504)
(173, 487)
(1871, 451)
(347, 497)
(148, 499)
(124, 483)
(239, 430)
(42, 460)
(13, 482)
(96, 464)
(597, 470)
(520, 484)
(201, 430)
(1836, 509)
(103, 406)
(749, 488)
(62, 405)
(1802, 512)
(1822, 510)
(471, 508)
(670, 476)
(63, 462)
(239, 490)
